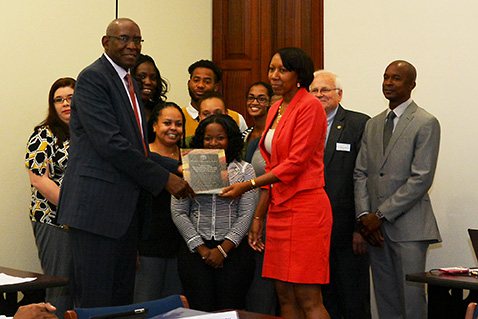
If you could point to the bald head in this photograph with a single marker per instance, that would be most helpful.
(122, 42)
(398, 82)
(112, 27)
(407, 68)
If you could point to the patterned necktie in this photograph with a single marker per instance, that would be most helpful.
(388, 130)
(135, 108)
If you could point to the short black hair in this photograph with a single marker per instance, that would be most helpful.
(208, 65)
(153, 119)
(235, 141)
(212, 95)
(295, 59)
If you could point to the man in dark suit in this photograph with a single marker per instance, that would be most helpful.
(348, 294)
(110, 178)
(394, 171)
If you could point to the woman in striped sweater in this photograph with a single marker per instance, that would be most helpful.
(215, 263)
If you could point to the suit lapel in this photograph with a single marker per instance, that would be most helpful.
(335, 131)
(118, 82)
(270, 118)
(282, 125)
(286, 117)
(379, 133)
(403, 122)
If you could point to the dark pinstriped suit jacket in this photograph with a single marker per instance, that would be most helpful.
(107, 167)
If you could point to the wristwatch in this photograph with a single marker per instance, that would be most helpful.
(379, 214)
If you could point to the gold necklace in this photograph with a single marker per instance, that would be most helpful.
(279, 114)
(174, 152)
(157, 150)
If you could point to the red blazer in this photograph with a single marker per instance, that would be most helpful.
(297, 146)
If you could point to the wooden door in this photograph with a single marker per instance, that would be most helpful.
(247, 32)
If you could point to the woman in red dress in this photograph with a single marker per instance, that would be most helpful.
(299, 222)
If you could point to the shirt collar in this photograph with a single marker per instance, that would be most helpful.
(331, 116)
(192, 111)
(399, 110)
(120, 70)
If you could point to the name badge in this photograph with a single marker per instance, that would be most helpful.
(342, 147)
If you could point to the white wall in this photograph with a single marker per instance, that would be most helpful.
(439, 38)
(176, 34)
(41, 43)
(44, 41)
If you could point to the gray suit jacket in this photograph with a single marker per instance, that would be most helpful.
(398, 181)
(107, 167)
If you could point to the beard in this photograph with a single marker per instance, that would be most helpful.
(194, 98)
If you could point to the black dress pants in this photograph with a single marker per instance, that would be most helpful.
(104, 267)
(347, 296)
(210, 289)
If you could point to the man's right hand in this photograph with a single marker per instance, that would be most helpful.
(38, 310)
(178, 187)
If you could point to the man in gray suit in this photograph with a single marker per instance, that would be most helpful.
(110, 177)
(346, 296)
(394, 171)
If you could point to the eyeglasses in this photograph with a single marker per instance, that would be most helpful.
(323, 90)
(126, 39)
(260, 99)
(60, 100)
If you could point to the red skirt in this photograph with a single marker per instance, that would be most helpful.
(298, 239)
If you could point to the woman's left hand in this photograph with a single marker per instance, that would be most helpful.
(255, 235)
(236, 190)
(45, 185)
(215, 259)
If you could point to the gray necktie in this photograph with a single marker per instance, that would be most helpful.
(388, 130)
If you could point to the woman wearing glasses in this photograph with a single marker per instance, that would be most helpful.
(46, 160)
(258, 100)
(261, 297)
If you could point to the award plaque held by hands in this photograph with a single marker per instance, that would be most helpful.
(205, 170)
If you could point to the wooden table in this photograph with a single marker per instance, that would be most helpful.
(33, 291)
(252, 315)
(445, 293)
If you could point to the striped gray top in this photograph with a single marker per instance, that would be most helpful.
(210, 217)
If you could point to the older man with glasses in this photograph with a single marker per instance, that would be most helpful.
(348, 294)
(110, 178)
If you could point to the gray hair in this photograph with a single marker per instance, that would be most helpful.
(338, 82)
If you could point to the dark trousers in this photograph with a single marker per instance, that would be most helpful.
(104, 267)
(210, 289)
(347, 295)
(262, 296)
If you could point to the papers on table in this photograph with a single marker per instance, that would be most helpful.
(12, 280)
(196, 314)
